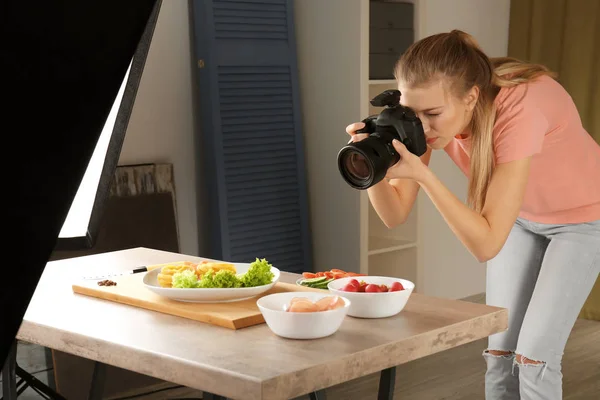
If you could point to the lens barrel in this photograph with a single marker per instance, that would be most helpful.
(364, 164)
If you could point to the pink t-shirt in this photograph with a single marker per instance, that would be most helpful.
(539, 119)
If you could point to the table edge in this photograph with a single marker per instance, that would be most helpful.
(274, 387)
(119, 356)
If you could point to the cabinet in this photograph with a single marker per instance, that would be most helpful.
(391, 32)
(335, 58)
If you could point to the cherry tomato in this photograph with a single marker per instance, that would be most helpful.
(383, 288)
(354, 283)
(372, 288)
(350, 288)
(362, 286)
(396, 286)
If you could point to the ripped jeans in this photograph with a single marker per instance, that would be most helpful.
(543, 276)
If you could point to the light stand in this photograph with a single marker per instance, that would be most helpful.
(11, 388)
(80, 227)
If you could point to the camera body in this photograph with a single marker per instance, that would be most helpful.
(365, 163)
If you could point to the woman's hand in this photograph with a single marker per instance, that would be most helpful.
(356, 137)
(410, 165)
(393, 200)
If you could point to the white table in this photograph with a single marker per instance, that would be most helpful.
(250, 363)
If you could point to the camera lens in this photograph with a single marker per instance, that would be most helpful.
(357, 166)
(365, 163)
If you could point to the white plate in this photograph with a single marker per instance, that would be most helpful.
(209, 295)
(301, 279)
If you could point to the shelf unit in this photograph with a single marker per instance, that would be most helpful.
(333, 39)
(382, 82)
(391, 252)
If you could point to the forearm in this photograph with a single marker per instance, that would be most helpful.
(471, 228)
(387, 203)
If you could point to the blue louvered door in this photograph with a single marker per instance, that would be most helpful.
(251, 141)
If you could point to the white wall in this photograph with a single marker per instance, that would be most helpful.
(487, 21)
(161, 128)
(324, 121)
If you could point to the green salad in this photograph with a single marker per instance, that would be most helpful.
(258, 274)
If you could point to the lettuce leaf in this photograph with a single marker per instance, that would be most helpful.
(185, 279)
(258, 274)
(221, 279)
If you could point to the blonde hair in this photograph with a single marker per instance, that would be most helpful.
(457, 58)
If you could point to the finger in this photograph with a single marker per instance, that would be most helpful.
(357, 137)
(352, 128)
(400, 147)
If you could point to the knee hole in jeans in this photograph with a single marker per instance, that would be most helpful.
(522, 360)
(528, 364)
(500, 353)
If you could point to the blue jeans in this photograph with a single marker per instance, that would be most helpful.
(543, 276)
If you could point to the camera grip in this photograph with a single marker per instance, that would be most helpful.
(370, 125)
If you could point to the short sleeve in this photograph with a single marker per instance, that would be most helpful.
(520, 125)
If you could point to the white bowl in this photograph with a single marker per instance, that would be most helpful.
(374, 305)
(300, 325)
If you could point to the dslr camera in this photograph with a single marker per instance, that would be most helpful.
(365, 163)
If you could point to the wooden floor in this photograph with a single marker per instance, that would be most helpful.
(458, 374)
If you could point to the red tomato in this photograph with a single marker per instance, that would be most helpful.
(362, 286)
(354, 283)
(354, 274)
(372, 288)
(396, 286)
(383, 288)
(308, 275)
(339, 275)
(338, 271)
(350, 288)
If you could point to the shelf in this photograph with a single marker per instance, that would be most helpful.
(399, 264)
(401, 235)
(383, 82)
(382, 244)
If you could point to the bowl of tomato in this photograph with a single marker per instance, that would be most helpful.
(373, 296)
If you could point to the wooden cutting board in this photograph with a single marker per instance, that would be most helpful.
(235, 315)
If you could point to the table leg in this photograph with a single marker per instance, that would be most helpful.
(387, 381)
(9, 375)
(98, 380)
(318, 395)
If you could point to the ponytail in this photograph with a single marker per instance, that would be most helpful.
(509, 72)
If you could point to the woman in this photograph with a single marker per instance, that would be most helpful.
(534, 196)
